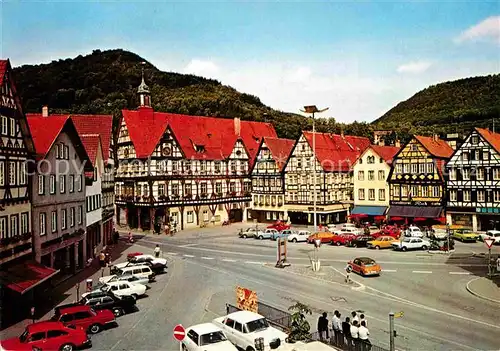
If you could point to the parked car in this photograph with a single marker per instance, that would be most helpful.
(249, 233)
(414, 232)
(85, 317)
(373, 229)
(109, 301)
(409, 243)
(266, 234)
(300, 236)
(48, 335)
(439, 234)
(359, 241)
(244, 328)
(206, 337)
(342, 239)
(283, 234)
(350, 230)
(325, 237)
(279, 226)
(465, 235)
(491, 234)
(120, 288)
(382, 242)
(157, 264)
(388, 231)
(127, 267)
(365, 266)
(125, 277)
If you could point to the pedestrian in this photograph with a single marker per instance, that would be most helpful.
(337, 328)
(130, 238)
(355, 335)
(354, 317)
(362, 318)
(348, 270)
(323, 327)
(363, 334)
(102, 259)
(157, 251)
(116, 236)
(346, 330)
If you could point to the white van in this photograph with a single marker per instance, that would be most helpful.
(138, 271)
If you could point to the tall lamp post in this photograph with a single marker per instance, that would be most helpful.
(312, 109)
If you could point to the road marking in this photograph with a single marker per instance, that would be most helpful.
(389, 270)
(188, 255)
(172, 253)
(253, 262)
(422, 272)
(461, 273)
(228, 260)
(188, 245)
(207, 258)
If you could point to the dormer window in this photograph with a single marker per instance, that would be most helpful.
(200, 148)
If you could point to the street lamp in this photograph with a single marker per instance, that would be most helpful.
(312, 109)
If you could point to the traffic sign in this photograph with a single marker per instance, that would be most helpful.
(489, 242)
(179, 332)
(399, 314)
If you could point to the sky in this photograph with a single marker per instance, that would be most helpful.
(359, 58)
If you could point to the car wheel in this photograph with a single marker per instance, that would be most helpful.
(261, 237)
(244, 237)
(424, 247)
(294, 240)
(403, 248)
(338, 243)
(135, 296)
(66, 347)
(95, 328)
(249, 348)
(117, 312)
(354, 245)
(377, 247)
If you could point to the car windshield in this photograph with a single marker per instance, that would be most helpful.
(212, 338)
(258, 324)
(24, 336)
(368, 263)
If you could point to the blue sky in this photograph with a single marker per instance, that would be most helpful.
(358, 58)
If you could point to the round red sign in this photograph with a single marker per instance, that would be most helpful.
(179, 332)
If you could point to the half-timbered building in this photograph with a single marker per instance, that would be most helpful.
(333, 158)
(473, 197)
(268, 189)
(417, 179)
(183, 171)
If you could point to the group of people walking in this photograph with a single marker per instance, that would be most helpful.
(351, 334)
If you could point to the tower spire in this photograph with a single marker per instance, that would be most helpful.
(143, 90)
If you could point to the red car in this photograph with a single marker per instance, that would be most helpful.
(387, 231)
(279, 226)
(342, 239)
(48, 335)
(85, 317)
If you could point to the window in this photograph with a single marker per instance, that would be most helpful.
(63, 218)
(371, 194)
(476, 155)
(381, 194)
(453, 195)
(72, 217)
(404, 190)
(80, 214)
(2, 173)
(62, 184)
(465, 156)
(71, 183)
(397, 190)
(37, 337)
(496, 195)
(175, 189)
(54, 221)
(233, 166)
(3, 227)
(145, 190)
(406, 168)
(217, 167)
(12, 127)
(422, 168)
(370, 160)
(414, 168)
(13, 225)
(414, 147)
(42, 222)
(24, 223)
(453, 174)
(496, 173)
(203, 188)
(381, 175)
(247, 186)
(371, 175)
(480, 173)
(205, 216)
(161, 189)
(425, 191)
(232, 187)
(4, 125)
(80, 182)
(12, 173)
(430, 167)
(480, 196)
(399, 168)
(218, 188)
(486, 155)
(436, 191)
(466, 173)
(190, 218)
(187, 189)
(66, 152)
(414, 191)
(467, 195)
(52, 184)
(23, 174)
(361, 194)
(475, 140)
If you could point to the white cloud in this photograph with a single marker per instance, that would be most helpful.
(299, 75)
(414, 67)
(204, 68)
(486, 30)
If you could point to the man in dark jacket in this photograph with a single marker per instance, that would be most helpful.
(346, 330)
(323, 327)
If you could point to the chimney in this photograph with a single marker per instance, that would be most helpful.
(436, 137)
(45, 111)
(397, 143)
(237, 126)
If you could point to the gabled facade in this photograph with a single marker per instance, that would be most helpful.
(334, 157)
(417, 179)
(371, 189)
(16, 150)
(473, 197)
(268, 183)
(183, 171)
(58, 194)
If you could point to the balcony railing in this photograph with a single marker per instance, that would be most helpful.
(184, 199)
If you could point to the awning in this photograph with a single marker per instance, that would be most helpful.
(26, 276)
(369, 210)
(415, 211)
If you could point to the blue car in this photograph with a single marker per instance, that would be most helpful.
(283, 234)
(267, 234)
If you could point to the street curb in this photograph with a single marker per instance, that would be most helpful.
(437, 252)
(467, 286)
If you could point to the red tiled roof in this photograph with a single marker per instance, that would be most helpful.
(336, 152)
(386, 152)
(44, 131)
(490, 137)
(4, 64)
(91, 143)
(95, 124)
(280, 149)
(216, 135)
(436, 147)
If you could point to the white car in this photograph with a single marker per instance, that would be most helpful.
(439, 234)
(126, 277)
(414, 232)
(301, 235)
(491, 234)
(244, 329)
(250, 233)
(348, 230)
(140, 259)
(123, 289)
(206, 337)
(411, 244)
